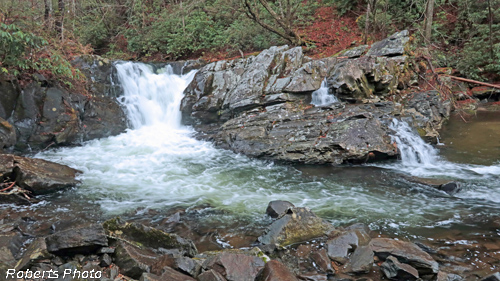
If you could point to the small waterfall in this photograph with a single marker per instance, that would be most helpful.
(322, 97)
(151, 98)
(414, 150)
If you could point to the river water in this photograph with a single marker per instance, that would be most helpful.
(157, 165)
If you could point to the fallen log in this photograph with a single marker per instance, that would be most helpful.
(472, 81)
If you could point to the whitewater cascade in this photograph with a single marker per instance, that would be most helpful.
(152, 98)
(414, 150)
(321, 96)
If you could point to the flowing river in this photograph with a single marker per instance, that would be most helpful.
(157, 165)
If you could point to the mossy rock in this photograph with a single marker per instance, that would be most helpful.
(144, 236)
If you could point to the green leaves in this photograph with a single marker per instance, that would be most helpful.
(18, 51)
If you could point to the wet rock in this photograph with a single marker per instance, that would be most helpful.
(106, 250)
(36, 252)
(150, 277)
(493, 277)
(361, 260)
(315, 136)
(320, 257)
(276, 271)
(188, 266)
(7, 134)
(133, 261)
(33, 175)
(11, 244)
(344, 243)
(45, 115)
(211, 275)
(395, 270)
(428, 111)
(106, 260)
(278, 208)
(8, 97)
(171, 274)
(406, 252)
(80, 240)
(99, 73)
(41, 176)
(68, 267)
(102, 117)
(313, 277)
(298, 226)
(450, 187)
(393, 46)
(367, 79)
(235, 267)
(147, 236)
(443, 276)
(355, 52)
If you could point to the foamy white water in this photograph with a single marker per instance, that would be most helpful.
(157, 164)
(322, 97)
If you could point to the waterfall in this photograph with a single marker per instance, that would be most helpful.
(322, 97)
(151, 98)
(414, 150)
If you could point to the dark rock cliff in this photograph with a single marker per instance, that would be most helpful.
(260, 105)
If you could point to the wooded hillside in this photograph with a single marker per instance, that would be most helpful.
(42, 36)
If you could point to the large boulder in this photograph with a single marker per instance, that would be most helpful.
(298, 225)
(36, 175)
(395, 45)
(51, 116)
(260, 106)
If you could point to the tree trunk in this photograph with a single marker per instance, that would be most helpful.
(48, 9)
(429, 13)
(283, 28)
(367, 20)
(490, 25)
(60, 19)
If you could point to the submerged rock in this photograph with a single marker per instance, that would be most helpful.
(299, 225)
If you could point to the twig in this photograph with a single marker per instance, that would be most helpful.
(8, 187)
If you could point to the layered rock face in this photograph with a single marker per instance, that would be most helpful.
(261, 106)
(41, 114)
